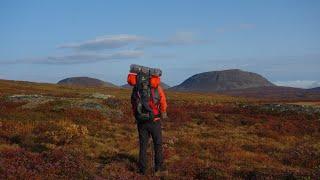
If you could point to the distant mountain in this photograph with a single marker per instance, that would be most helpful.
(85, 82)
(219, 81)
(163, 85)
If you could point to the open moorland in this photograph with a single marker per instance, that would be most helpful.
(52, 131)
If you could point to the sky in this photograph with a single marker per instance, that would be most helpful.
(46, 41)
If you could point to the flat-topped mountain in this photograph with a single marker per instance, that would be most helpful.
(216, 81)
(85, 82)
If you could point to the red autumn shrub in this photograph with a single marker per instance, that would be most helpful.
(56, 164)
(302, 154)
(14, 132)
(192, 168)
(179, 115)
(58, 133)
(118, 170)
(83, 115)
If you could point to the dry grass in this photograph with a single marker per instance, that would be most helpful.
(207, 137)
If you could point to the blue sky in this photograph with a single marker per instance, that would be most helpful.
(46, 41)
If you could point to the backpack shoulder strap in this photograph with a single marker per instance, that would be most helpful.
(155, 95)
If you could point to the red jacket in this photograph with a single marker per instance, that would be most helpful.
(163, 100)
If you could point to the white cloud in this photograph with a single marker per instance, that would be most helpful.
(105, 42)
(123, 40)
(80, 58)
(91, 50)
(299, 83)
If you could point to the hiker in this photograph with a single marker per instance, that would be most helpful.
(149, 107)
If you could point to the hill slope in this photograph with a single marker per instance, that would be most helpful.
(86, 82)
(216, 81)
(316, 89)
(276, 92)
(54, 132)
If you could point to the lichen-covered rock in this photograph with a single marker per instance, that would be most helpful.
(283, 108)
(101, 96)
(32, 100)
(92, 106)
(113, 103)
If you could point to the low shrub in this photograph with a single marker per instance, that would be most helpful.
(18, 163)
(62, 132)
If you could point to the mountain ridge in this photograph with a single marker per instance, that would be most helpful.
(216, 81)
(85, 82)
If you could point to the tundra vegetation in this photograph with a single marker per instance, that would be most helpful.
(61, 132)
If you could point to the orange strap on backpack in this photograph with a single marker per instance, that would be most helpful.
(154, 81)
(132, 79)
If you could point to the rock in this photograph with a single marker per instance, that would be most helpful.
(113, 103)
(23, 97)
(33, 100)
(283, 108)
(101, 96)
(92, 106)
(108, 105)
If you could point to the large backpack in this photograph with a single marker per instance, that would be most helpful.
(145, 96)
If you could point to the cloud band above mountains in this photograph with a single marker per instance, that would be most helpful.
(79, 58)
(299, 83)
(90, 57)
(104, 48)
(106, 42)
(123, 40)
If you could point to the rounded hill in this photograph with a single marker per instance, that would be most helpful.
(85, 82)
(215, 81)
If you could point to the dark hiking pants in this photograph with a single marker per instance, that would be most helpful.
(145, 130)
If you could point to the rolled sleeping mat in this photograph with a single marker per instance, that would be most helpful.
(134, 68)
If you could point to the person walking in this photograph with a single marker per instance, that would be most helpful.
(149, 107)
